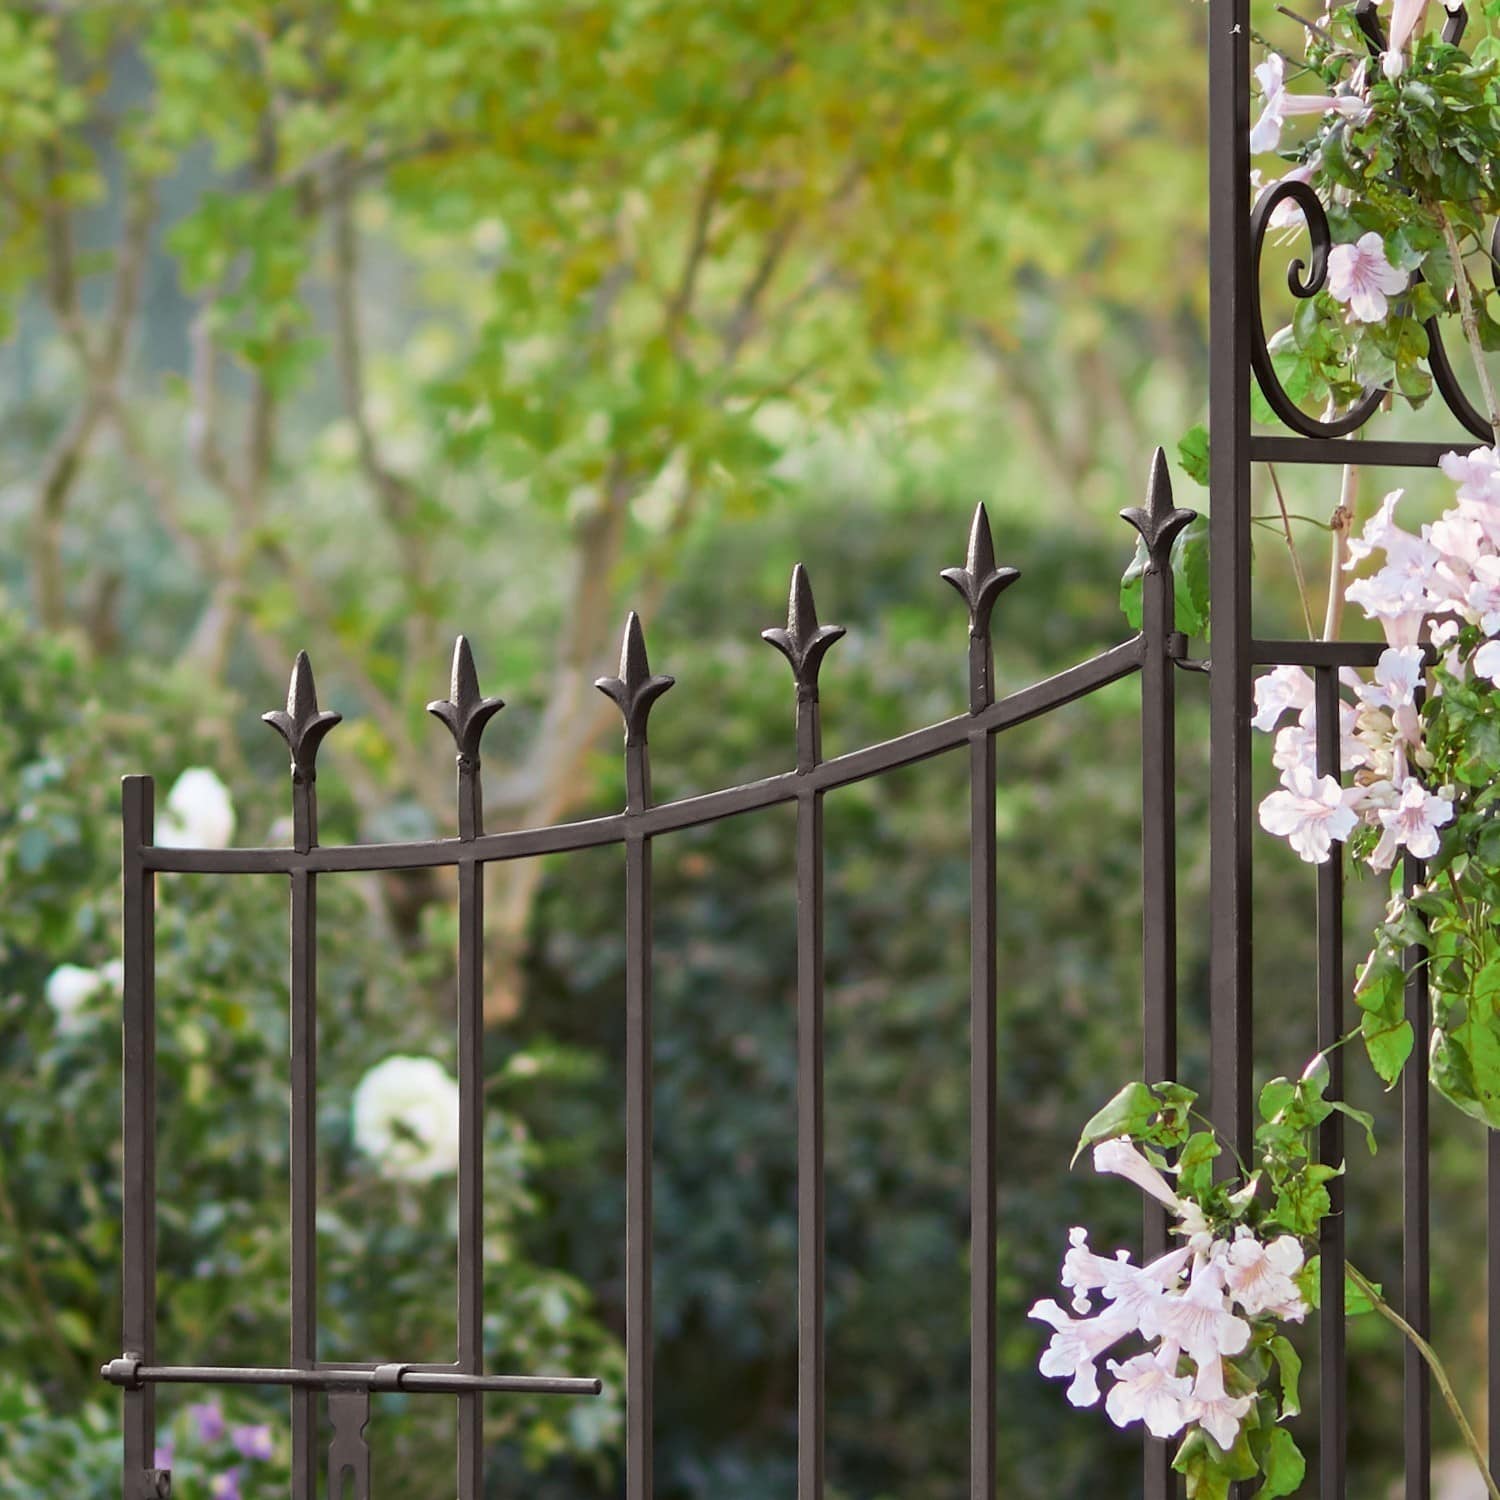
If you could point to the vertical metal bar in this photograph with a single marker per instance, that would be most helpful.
(983, 999)
(1159, 524)
(465, 712)
(138, 1233)
(304, 1141)
(470, 1139)
(1333, 1364)
(1230, 818)
(634, 691)
(639, 1332)
(1416, 1302)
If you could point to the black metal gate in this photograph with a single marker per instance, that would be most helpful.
(1239, 345)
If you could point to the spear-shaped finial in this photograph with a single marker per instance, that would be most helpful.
(300, 724)
(635, 689)
(1158, 521)
(465, 710)
(803, 642)
(979, 580)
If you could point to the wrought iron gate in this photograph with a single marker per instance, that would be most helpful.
(1156, 652)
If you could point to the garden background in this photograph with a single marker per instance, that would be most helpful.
(351, 326)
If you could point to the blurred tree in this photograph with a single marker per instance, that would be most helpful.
(422, 275)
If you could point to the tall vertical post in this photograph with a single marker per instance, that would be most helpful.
(1416, 1219)
(981, 583)
(143, 1481)
(303, 726)
(634, 691)
(1230, 819)
(1332, 1355)
(465, 713)
(1159, 524)
(983, 1130)
(804, 642)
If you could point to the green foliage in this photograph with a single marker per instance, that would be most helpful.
(1189, 562)
(1415, 165)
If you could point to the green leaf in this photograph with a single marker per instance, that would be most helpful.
(1128, 1113)
(1190, 579)
(1285, 1466)
(1130, 585)
(1289, 1363)
(1192, 454)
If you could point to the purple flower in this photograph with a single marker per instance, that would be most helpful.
(252, 1442)
(209, 1419)
(163, 1456)
(225, 1486)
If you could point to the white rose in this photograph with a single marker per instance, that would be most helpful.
(68, 991)
(198, 814)
(405, 1116)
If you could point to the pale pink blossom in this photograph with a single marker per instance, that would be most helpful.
(1309, 812)
(1123, 1160)
(1405, 15)
(1486, 661)
(1259, 1276)
(1411, 825)
(1213, 1409)
(1282, 689)
(1200, 1320)
(1280, 104)
(1149, 1390)
(1398, 675)
(1076, 1345)
(1360, 276)
(1296, 749)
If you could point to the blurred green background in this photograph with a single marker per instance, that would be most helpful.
(349, 326)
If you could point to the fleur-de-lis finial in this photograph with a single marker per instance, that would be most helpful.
(803, 642)
(635, 689)
(979, 580)
(1158, 521)
(465, 711)
(300, 724)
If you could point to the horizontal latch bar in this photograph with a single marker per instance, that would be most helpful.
(131, 1374)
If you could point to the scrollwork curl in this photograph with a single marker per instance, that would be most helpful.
(1445, 377)
(1302, 286)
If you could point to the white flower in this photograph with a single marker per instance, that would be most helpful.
(68, 991)
(1216, 1412)
(1150, 1390)
(1477, 473)
(1076, 1345)
(405, 1114)
(1276, 692)
(1398, 675)
(1296, 748)
(1362, 278)
(1487, 661)
(1405, 14)
(1200, 1321)
(1287, 214)
(1271, 75)
(1121, 1158)
(1309, 812)
(1259, 1277)
(1134, 1290)
(1412, 824)
(198, 814)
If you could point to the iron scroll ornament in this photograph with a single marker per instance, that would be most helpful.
(1303, 286)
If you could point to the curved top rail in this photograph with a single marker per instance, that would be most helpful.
(666, 817)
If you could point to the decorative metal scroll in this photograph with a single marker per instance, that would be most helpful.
(1308, 279)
